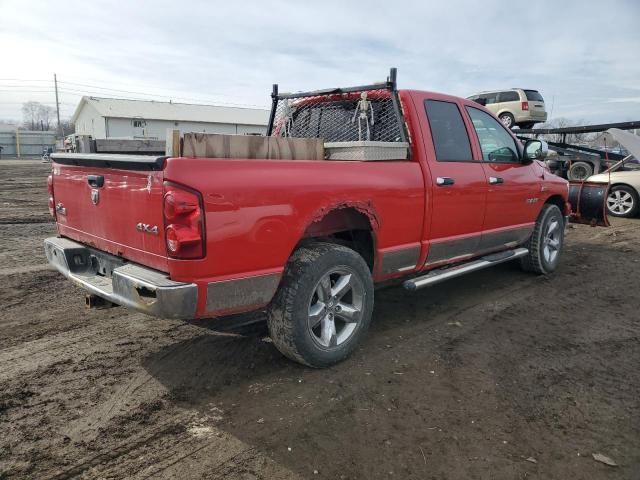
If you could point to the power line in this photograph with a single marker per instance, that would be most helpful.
(138, 85)
(165, 98)
(49, 104)
(113, 89)
(110, 89)
(22, 80)
(99, 90)
(95, 90)
(135, 92)
(25, 91)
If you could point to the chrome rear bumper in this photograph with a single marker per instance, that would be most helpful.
(127, 284)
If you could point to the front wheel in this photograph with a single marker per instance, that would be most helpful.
(507, 120)
(622, 201)
(323, 306)
(545, 244)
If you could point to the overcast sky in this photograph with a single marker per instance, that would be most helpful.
(582, 56)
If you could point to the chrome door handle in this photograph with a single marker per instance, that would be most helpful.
(495, 180)
(442, 181)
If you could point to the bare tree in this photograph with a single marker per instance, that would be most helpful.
(569, 137)
(68, 127)
(45, 114)
(37, 116)
(30, 114)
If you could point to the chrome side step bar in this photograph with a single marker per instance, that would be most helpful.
(442, 274)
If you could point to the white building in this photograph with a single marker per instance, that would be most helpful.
(115, 118)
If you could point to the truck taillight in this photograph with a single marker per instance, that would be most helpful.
(525, 106)
(183, 222)
(51, 202)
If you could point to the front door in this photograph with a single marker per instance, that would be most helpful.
(458, 185)
(513, 187)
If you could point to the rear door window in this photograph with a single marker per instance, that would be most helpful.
(448, 132)
(533, 96)
(510, 96)
(490, 98)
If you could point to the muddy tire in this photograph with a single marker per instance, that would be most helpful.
(579, 171)
(545, 244)
(323, 306)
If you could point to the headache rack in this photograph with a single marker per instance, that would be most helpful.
(355, 123)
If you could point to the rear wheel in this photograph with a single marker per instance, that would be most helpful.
(545, 244)
(323, 306)
(507, 120)
(622, 201)
(579, 171)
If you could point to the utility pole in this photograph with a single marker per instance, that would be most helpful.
(55, 82)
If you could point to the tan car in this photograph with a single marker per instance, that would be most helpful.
(516, 106)
(622, 200)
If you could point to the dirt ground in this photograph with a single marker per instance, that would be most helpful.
(499, 375)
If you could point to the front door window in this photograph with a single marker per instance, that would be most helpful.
(496, 143)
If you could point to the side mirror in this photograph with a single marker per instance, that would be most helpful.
(535, 150)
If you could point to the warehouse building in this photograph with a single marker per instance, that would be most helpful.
(117, 118)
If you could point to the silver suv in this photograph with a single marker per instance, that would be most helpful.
(516, 106)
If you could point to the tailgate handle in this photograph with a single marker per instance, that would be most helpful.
(96, 181)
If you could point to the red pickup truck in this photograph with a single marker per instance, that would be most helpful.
(187, 237)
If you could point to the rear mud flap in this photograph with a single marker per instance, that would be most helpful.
(589, 203)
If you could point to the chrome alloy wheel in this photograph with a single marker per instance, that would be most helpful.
(551, 243)
(335, 307)
(620, 202)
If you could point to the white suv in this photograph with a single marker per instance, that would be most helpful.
(516, 106)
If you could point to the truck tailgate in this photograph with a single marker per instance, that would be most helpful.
(112, 203)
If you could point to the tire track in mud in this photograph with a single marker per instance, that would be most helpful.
(141, 389)
(26, 269)
(26, 221)
(69, 345)
(162, 450)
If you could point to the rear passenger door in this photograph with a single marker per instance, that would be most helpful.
(513, 187)
(509, 101)
(458, 185)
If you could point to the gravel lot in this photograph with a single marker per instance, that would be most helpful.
(500, 375)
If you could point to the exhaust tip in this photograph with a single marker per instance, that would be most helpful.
(94, 301)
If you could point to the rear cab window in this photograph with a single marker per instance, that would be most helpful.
(333, 120)
(449, 134)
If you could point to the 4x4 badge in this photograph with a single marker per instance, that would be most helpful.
(95, 196)
(146, 228)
